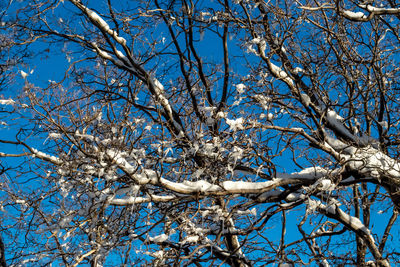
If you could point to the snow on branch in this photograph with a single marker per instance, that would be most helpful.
(334, 211)
(356, 16)
(159, 93)
(380, 10)
(152, 177)
(33, 152)
(367, 159)
(148, 176)
(121, 60)
(52, 159)
(132, 200)
(336, 123)
(352, 223)
(370, 161)
(362, 17)
(120, 63)
(279, 73)
(126, 62)
(307, 176)
(7, 102)
(317, 8)
(99, 22)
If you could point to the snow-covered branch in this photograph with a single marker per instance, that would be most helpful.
(352, 223)
(372, 12)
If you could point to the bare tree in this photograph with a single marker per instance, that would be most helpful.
(241, 133)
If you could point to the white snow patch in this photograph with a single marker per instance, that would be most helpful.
(235, 125)
(326, 185)
(292, 197)
(246, 186)
(298, 70)
(325, 263)
(312, 205)
(306, 99)
(240, 88)
(159, 239)
(191, 239)
(237, 153)
(354, 15)
(307, 173)
(54, 135)
(370, 160)
(23, 74)
(263, 100)
(280, 73)
(252, 212)
(333, 116)
(7, 101)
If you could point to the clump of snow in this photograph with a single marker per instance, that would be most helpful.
(24, 74)
(204, 14)
(306, 99)
(221, 114)
(354, 15)
(240, 88)
(292, 197)
(325, 263)
(336, 122)
(326, 185)
(268, 116)
(235, 125)
(158, 86)
(20, 201)
(307, 173)
(158, 254)
(240, 186)
(333, 117)
(207, 109)
(298, 70)
(54, 135)
(280, 73)
(252, 212)
(260, 42)
(41, 155)
(312, 205)
(93, 15)
(159, 239)
(104, 26)
(370, 160)
(7, 101)
(237, 153)
(263, 100)
(191, 239)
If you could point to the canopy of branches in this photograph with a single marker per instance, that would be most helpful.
(202, 133)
